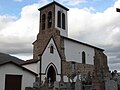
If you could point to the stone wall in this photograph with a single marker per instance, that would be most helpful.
(101, 70)
(100, 63)
(79, 68)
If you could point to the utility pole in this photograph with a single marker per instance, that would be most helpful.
(117, 9)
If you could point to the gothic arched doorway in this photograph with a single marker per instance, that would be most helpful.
(51, 74)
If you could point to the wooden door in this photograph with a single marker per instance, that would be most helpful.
(13, 82)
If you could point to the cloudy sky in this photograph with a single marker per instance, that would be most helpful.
(95, 22)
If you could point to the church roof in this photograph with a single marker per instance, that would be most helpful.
(82, 43)
(54, 2)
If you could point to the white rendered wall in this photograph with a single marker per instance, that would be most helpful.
(33, 67)
(27, 77)
(48, 58)
(62, 31)
(73, 52)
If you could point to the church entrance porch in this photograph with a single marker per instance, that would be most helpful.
(51, 75)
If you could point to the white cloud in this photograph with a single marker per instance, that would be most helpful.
(94, 26)
(6, 20)
(17, 35)
(117, 4)
(25, 25)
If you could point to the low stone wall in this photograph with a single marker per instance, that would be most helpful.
(30, 88)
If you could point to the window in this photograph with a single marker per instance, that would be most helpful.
(43, 21)
(60, 16)
(73, 67)
(49, 19)
(83, 58)
(59, 19)
(51, 49)
(63, 21)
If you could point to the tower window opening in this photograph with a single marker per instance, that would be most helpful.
(43, 21)
(63, 21)
(83, 58)
(49, 19)
(59, 19)
(51, 49)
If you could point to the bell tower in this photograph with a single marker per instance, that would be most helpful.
(53, 16)
(53, 23)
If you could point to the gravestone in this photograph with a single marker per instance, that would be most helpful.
(56, 85)
(63, 86)
(68, 86)
(111, 85)
(78, 84)
(36, 85)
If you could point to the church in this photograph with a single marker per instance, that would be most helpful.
(60, 58)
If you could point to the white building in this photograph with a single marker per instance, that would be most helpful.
(15, 77)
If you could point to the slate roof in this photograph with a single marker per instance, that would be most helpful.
(6, 57)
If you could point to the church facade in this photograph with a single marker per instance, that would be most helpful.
(58, 57)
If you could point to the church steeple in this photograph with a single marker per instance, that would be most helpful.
(53, 24)
(53, 16)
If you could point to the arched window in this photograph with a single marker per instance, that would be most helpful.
(59, 19)
(43, 21)
(83, 58)
(49, 19)
(63, 21)
(51, 49)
